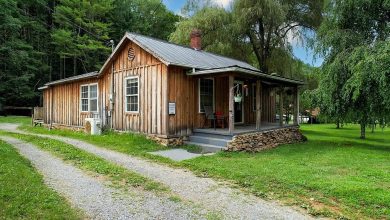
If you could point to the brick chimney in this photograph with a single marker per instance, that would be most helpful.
(196, 39)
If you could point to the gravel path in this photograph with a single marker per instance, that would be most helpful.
(95, 198)
(206, 192)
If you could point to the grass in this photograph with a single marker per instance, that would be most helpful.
(23, 194)
(116, 174)
(334, 174)
(140, 146)
(16, 119)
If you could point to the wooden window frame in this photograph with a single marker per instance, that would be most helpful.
(126, 95)
(89, 97)
(199, 107)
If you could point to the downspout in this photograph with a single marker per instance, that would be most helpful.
(112, 89)
(51, 108)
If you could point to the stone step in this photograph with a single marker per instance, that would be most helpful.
(221, 142)
(207, 148)
(199, 132)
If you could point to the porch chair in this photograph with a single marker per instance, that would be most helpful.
(37, 116)
(209, 114)
(214, 117)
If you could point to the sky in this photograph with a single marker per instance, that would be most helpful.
(299, 49)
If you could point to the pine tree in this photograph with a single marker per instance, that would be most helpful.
(22, 59)
(81, 35)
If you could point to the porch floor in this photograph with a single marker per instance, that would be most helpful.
(242, 129)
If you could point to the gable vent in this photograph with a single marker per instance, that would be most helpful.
(131, 54)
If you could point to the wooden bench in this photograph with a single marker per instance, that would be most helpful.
(37, 116)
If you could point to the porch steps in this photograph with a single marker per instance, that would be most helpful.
(207, 148)
(209, 142)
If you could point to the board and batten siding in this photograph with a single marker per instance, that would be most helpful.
(152, 112)
(62, 103)
(182, 92)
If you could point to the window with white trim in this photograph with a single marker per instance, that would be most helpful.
(89, 98)
(254, 97)
(132, 94)
(206, 93)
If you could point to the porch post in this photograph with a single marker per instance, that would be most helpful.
(281, 90)
(258, 104)
(296, 105)
(231, 104)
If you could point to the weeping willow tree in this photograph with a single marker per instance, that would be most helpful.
(355, 78)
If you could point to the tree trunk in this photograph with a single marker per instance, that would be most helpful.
(362, 130)
(337, 124)
(74, 66)
(61, 68)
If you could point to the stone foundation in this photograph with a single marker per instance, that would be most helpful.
(167, 141)
(64, 127)
(262, 140)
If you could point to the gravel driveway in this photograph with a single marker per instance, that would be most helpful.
(205, 192)
(93, 196)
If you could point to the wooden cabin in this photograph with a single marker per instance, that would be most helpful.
(163, 89)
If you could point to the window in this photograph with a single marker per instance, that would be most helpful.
(89, 98)
(254, 97)
(84, 98)
(132, 94)
(206, 93)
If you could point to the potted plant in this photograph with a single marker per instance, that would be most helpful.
(238, 97)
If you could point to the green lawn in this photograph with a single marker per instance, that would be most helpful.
(16, 119)
(333, 174)
(116, 174)
(23, 195)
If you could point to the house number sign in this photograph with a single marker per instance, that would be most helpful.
(172, 108)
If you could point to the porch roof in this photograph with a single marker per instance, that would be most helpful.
(255, 73)
(70, 79)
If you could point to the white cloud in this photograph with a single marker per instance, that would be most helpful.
(223, 3)
(294, 36)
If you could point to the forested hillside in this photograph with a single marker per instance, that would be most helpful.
(44, 40)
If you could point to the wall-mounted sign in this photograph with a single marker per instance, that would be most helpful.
(172, 108)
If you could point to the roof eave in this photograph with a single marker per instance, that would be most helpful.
(43, 88)
(247, 71)
(72, 79)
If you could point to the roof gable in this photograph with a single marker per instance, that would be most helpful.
(177, 55)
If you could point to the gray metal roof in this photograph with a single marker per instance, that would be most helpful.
(70, 79)
(173, 54)
(177, 55)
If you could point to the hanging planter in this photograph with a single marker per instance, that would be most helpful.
(238, 98)
(237, 95)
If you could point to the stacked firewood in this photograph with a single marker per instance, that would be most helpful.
(258, 141)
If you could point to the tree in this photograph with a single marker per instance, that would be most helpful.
(267, 24)
(254, 31)
(218, 33)
(22, 46)
(81, 33)
(148, 17)
(355, 75)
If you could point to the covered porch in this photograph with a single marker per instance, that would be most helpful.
(242, 129)
(244, 101)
